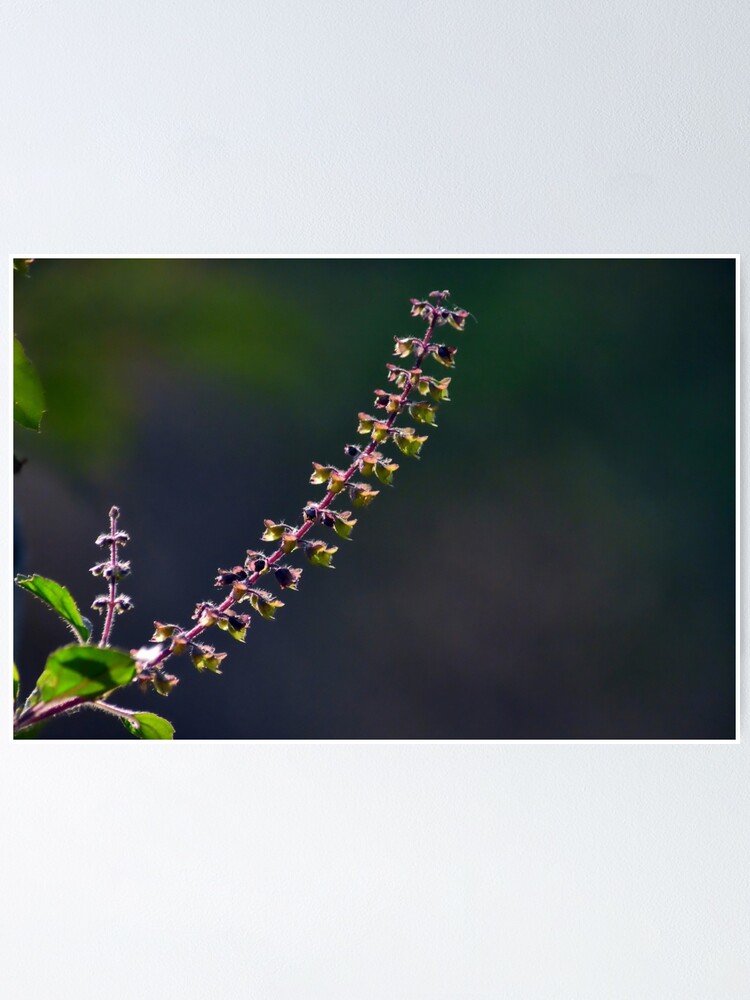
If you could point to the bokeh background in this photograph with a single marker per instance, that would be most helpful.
(559, 565)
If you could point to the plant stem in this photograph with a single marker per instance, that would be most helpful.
(43, 711)
(107, 630)
(299, 533)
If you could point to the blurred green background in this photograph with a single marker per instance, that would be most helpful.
(559, 565)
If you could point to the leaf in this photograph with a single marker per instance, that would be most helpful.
(28, 395)
(59, 599)
(84, 672)
(28, 732)
(16, 682)
(147, 726)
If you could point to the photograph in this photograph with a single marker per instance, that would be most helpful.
(522, 470)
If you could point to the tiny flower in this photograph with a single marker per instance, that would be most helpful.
(457, 318)
(409, 442)
(362, 495)
(380, 431)
(343, 523)
(384, 471)
(424, 413)
(288, 542)
(336, 482)
(406, 346)
(116, 571)
(235, 625)
(179, 645)
(320, 473)
(228, 576)
(443, 354)
(400, 375)
(123, 603)
(287, 577)
(368, 462)
(163, 632)
(264, 603)
(100, 603)
(387, 401)
(208, 616)
(119, 537)
(206, 658)
(310, 513)
(274, 531)
(319, 554)
(256, 562)
(436, 388)
(164, 683)
(351, 451)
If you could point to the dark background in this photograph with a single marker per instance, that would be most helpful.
(559, 565)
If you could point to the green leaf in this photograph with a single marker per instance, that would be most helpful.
(16, 682)
(84, 672)
(59, 599)
(28, 732)
(28, 395)
(147, 726)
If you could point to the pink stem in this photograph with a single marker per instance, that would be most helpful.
(324, 504)
(106, 631)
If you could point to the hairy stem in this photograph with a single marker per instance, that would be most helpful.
(43, 711)
(111, 600)
(299, 533)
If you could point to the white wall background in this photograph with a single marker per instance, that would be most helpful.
(387, 871)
